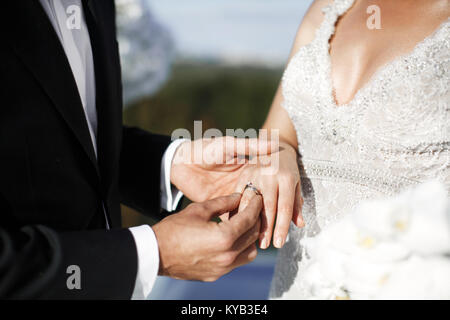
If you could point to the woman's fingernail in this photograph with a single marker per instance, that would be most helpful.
(263, 244)
(278, 242)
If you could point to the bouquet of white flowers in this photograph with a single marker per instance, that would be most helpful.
(396, 248)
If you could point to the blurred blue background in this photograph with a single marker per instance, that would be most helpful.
(234, 31)
(248, 282)
(219, 61)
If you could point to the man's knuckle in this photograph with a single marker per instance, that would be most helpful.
(253, 254)
(211, 279)
(225, 242)
(228, 242)
(256, 232)
(226, 259)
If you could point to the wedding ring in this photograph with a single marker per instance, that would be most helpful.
(252, 187)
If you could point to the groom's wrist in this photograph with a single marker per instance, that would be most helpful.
(170, 195)
(148, 260)
(181, 158)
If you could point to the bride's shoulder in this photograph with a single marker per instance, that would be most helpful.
(310, 23)
(315, 14)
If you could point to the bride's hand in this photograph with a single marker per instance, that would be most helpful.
(279, 182)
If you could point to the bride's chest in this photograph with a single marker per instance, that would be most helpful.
(403, 108)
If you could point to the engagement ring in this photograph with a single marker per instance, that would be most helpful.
(253, 188)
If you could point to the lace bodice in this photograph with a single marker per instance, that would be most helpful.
(395, 133)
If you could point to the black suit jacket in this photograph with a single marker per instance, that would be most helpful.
(52, 188)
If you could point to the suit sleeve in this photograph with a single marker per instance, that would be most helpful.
(140, 170)
(36, 263)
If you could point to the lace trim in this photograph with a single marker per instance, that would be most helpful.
(379, 180)
(421, 149)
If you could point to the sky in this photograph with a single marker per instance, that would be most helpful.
(234, 31)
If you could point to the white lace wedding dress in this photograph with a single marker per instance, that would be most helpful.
(395, 133)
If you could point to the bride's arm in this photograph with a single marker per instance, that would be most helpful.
(278, 117)
(282, 190)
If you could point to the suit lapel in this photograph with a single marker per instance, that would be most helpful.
(89, 5)
(100, 20)
(38, 46)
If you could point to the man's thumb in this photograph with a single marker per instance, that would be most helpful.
(218, 206)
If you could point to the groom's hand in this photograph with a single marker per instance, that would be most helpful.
(207, 168)
(192, 247)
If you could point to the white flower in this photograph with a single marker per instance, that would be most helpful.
(319, 286)
(418, 278)
(382, 219)
(428, 231)
(387, 249)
